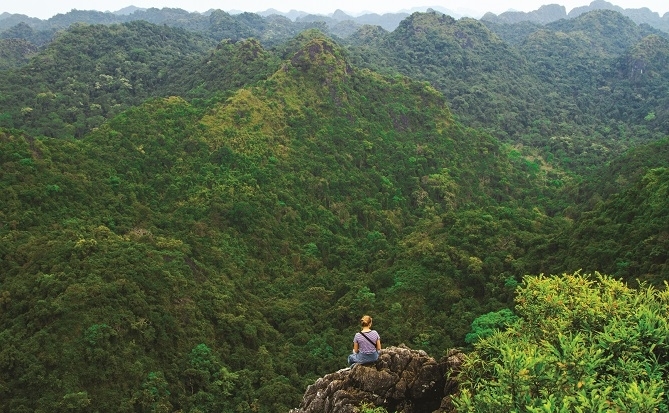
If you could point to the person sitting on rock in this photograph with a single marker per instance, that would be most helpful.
(366, 343)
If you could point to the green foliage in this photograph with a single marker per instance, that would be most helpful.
(621, 223)
(15, 53)
(581, 344)
(91, 73)
(261, 225)
(521, 89)
(153, 395)
(228, 67)
(487, 324)
(22, 33)
(369, 408)
(208, 384)
(211, 240)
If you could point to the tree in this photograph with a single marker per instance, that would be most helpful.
(486, 325)
(582, 343)
(208, 383)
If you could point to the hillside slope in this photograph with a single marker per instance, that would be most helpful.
(216, 252)
(226, 214)
(90, 73)
(556, 88)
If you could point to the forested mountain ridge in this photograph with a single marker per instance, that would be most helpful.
(90, 73)
(389, 21)
(559, 90)
(216, 24)
(26, 33)
(527, 95)
(215, 250)
(475, 69)
(204, 22)
(211, 242)
(272, 27)
(555, 81)
(620, 219)
(15, 53)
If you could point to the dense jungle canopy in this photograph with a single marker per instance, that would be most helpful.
(195, 215)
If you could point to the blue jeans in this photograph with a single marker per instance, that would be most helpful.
(362, 358)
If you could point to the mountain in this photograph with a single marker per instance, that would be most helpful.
(292, 15)
(611, 32)
(15, 53)
(216, 24)
(594, 74)
(194, 218)
(473, 67)
(336, 22)
(553, 12)
(128, 10)
(214, 251)
(263, 25)
(91, 73)
(626, 197)
(527, 95)
(23, 32)
(389, 21)
(10, 20)
(545, 14)
(553, 82)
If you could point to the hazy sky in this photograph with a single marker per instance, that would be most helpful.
(47, 8)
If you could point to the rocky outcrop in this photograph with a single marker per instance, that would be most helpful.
(402, 380)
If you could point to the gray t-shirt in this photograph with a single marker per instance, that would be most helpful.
(364, 346)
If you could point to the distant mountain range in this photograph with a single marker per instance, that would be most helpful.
(389, 21)
(553, 12)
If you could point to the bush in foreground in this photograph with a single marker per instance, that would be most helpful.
(582, 343)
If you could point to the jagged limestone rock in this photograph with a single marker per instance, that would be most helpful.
(402, 380)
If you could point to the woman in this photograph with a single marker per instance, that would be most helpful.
(366, 343)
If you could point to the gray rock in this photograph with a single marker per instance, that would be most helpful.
(402, 380)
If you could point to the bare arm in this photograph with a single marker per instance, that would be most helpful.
(378, 344)
(355, 347)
